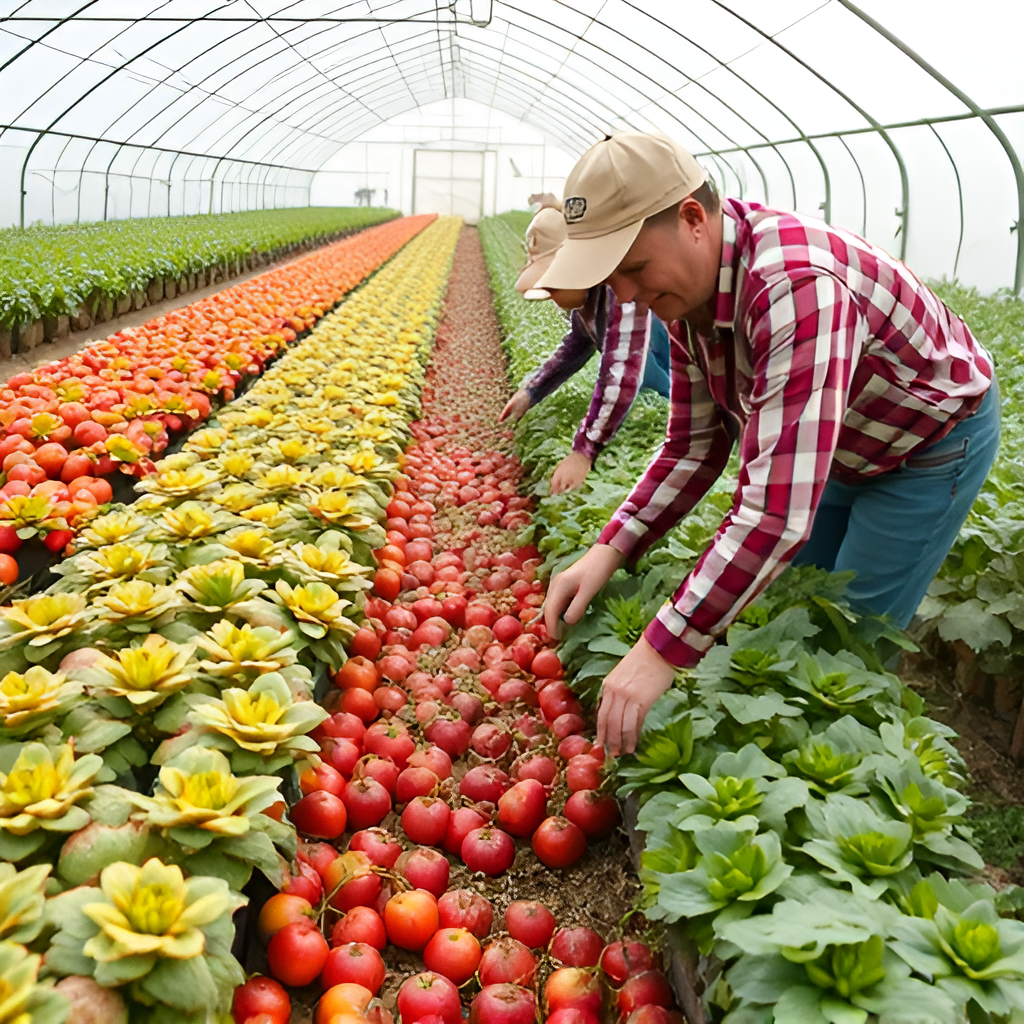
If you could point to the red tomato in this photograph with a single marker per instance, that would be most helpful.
(88, 432)
(559, 843)
(386, 584)
(363, 925)
(429, 994)
(354, 963)
(507, 960)
(261, 995)
(51, 458)
(489, 850)
(323, 776)
(365, 644)
(530, 922)
(320, 814)
(58, 540)
(453, 953)
(9, 540)
(296, 954)
(577, 947)
(507, 1004)
(358, 673)
(367, 802)
(522, 808)
(465, 908)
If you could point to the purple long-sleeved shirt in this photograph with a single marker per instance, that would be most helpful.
(621, 334)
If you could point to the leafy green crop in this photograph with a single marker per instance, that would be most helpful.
(51, 271)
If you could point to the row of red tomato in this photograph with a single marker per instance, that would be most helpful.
(398, 736)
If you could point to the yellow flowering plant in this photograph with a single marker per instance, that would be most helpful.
(37, 627)
(40, 789)
(31, 700)
(24, 999)
(320, 615)
(22, 901)
(161, 937)
(218, 586)
(262, 729)
(98, 568)
(143, 677)
(137, 606)
(241, 654)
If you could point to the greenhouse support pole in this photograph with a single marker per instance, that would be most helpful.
(24, 169)
(989, 120)
(213, 180)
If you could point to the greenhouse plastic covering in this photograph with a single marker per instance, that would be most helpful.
(902, 120)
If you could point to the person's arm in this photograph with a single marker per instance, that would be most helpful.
(623, 357)
(696, 450)
(572, 354)
(808, 334)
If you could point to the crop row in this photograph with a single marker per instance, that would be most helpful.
(804, 821)
(156, 699)
(71, 428)
(83, 270)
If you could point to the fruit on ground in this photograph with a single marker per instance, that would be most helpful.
(503, 1004)
(621, 960)
(577, 947)
(507, 960)
(356, 963)
(296, 954)
(453, 953)
(530, 922)
(572, 988)
(429, 994)
(411, 919)
(558, 843)
(280, 910)
(261, 995)
(464, 908)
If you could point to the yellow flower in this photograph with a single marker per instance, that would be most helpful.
(197, 790)
(112, 528)
(218, 585)
(245, 651)
(251, 545)
(332, 566)
(335, 477)
(194, 482)
(283, 478)
(32, 695)
(23, 998)
(267, 513)
(145, 675)
(189, 521)
(316, 607)
(21, 902)
(208, 441)
(238, 498)
(118, 561)
(264, 719)
(236, 464)
(362, 461)
(39, 792)
(41, 620)
(137, 599)
(152, 910)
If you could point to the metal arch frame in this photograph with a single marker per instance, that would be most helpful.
(904, 214)
(596, 18)
(987, 116)
(989, 122)
(959, 195)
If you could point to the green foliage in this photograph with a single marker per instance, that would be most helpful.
(50, 271)
(998, 833)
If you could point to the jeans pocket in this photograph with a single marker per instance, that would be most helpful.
(931, 460)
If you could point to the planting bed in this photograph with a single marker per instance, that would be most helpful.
(293, 714)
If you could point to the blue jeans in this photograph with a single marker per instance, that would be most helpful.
(656, 369)
(896, 529)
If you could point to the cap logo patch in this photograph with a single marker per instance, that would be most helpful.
(574, 208)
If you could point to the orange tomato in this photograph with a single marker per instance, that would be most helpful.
(411, 919)
(387, 583)
(345, 999)
(281, 909)
(8, 570)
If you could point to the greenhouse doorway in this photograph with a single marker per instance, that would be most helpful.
(449, 181)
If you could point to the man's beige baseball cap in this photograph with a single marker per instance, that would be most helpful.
(613, 188)
(544, 237)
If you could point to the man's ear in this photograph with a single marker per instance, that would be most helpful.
(693, 215)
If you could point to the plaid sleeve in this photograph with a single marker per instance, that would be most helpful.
(623, 356)
(695, 452)
(806, 336)
(572, 354)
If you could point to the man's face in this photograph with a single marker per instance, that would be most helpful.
(568, 298)
(672, 266)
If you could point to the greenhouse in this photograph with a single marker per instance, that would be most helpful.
(511, 512)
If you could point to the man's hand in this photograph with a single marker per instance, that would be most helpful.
(570, 473)
(573, 589)
(628, 693)
(516, 407)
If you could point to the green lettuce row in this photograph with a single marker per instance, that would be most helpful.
(804, 823)
(54, 271)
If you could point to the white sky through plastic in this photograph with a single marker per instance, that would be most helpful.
(117, 108)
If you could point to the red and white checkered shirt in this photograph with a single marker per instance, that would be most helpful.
(828, 358)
